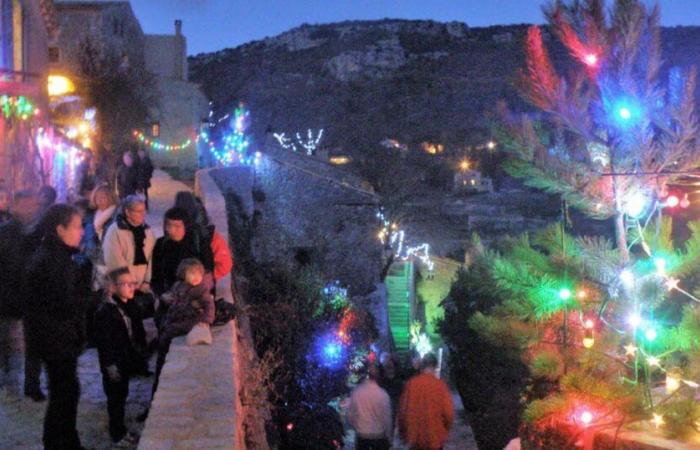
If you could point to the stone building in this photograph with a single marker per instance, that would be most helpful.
(26, 28)
(472, 181)
(182, 105)
(111, 26)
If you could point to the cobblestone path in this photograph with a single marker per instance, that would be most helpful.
(21, 419)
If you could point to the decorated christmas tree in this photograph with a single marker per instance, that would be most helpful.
(609, 328)
(233, 144)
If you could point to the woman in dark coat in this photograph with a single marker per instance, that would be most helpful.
(57, 291)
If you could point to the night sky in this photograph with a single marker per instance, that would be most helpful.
(212, 25)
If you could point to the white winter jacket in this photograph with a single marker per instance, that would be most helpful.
(118, 251)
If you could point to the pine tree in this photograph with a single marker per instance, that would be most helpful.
(612, 135)
(594, 320)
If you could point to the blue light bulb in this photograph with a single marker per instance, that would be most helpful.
(624, 113)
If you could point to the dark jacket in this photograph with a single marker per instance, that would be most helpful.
(145, 172)
(167, 256)
(127, 180)
(114, 344)
(57, 296)
(17, 244)
(187, 306)
(5, 216)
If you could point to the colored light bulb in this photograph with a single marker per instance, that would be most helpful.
(672, 201)
(564, 294)
(634, 320)
(591, 59)
(586, 417)
(650, 334)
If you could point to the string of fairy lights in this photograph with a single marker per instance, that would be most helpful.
(155, 144)
(310, 143)
(234, 146)
(636, 208)
(390, 234)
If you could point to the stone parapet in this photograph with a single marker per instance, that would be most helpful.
(197, 405)
(194, 406)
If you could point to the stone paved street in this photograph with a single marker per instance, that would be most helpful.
(461, 436)
(21, 419)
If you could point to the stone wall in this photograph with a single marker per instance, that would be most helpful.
(307, 211)
(197, 404)
(194, 406)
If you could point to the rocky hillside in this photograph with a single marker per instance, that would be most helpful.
(365, 81)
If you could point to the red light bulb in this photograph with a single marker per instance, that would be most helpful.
(672, 201)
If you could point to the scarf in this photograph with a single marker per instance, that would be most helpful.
(124, 313)
(101, 217)
(139, 241)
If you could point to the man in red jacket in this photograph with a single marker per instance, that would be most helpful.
(425, 409)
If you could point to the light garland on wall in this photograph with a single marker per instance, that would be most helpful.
(17, 107)
(309, 144)
(234, 146)
(64, 160)
(391, 235)
(157, 145)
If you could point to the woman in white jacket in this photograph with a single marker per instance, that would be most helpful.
(129, 243)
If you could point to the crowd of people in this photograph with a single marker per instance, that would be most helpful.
(87, 274)
(421, 411)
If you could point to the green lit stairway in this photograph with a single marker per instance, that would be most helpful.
(398, 284)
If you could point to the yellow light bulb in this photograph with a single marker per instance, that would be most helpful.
(657, 420)
(588, 342)
(673, 380)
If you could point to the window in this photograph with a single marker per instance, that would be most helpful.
(54, 55)
(155, 129)
(6, 35)
(11, 35)
(17, 36)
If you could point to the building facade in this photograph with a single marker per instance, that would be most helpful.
(182, 105)
(112, 28)
(109, 26)
(26, 26)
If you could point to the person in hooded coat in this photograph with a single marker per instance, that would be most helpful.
(57, 293)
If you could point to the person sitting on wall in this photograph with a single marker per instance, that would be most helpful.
(205, 233)
(189, 303)
(177, 244)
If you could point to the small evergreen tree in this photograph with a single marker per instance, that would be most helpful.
(594, 320)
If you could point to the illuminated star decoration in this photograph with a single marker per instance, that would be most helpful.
(630, 350)
(657, 420)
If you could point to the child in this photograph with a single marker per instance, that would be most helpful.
(187, 303)
(121, 344)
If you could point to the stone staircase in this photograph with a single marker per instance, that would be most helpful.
(398, 284)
